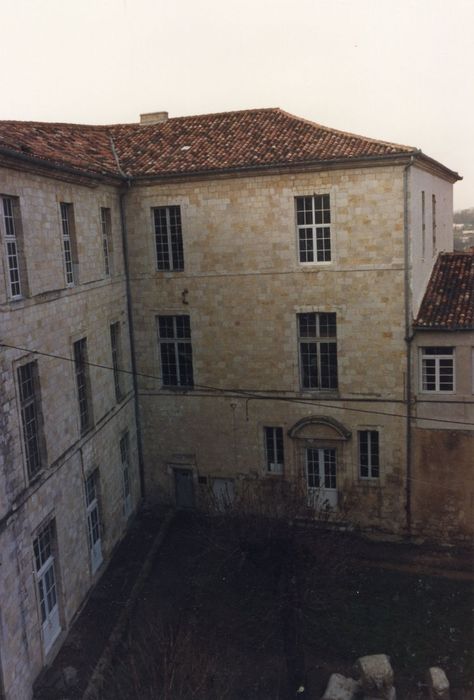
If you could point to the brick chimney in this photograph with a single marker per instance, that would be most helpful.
(153, 118)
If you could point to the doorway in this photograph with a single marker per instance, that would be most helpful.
(321, 477)
(184, 487)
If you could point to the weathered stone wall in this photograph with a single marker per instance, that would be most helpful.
(443, 484)
(50, 320)
(245, 286)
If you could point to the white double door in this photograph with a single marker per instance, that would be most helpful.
(321, 477)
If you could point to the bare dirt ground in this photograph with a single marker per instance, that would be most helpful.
(224, 615)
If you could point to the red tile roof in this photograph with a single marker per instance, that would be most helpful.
(448, 303)
(205, 143)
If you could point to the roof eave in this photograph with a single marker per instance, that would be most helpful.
(278, 168)
(436, 168)
(14, 159)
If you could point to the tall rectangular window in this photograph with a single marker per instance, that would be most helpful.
(369, 463)
(168, 238)
(93, 520)
(43, 548)
(318, 350)
(274, 457)
(17, 279)
(313, 222)
(125, 457)
(31, 417)
(81, 368)
(433, 221)
(106, 226)
(174, 335)
(69, 244)
(437, 369)
(423, 226)
(116, 347)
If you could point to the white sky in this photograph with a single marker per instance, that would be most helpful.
(400, 70)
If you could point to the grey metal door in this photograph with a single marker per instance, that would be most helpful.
(184, 488)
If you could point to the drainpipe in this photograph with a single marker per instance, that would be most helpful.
(131, 336)
(408, 341)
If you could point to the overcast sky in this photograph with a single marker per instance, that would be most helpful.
(399, 70)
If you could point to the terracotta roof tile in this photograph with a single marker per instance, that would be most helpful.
(209, 142)
(448, 303)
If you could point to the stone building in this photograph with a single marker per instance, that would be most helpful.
(443, 351)
(69, 472)
(264, 306)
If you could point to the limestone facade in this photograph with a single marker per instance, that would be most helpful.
(243, 286)
(51, 501)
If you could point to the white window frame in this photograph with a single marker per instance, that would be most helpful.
(173, 259)
(373, 457)
(126, 484)
(94, 530)
(106, 228)
(437, 358)
(46, 585)
(178, 343)
(318, 340)
(270, 434)
(16, 271)
(324, 495)
(315, 232)
(31, 417)
(68, 233)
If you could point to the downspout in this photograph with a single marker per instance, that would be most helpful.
(408, 342)
(131, 335)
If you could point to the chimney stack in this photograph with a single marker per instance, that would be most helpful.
(153, 118)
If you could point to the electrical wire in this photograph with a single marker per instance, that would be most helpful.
(243, 393)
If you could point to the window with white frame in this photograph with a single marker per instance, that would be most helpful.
(174, 337)
(369, 459)
(45, 571)
(106, 226)
(81, 368)
(313, 223)
(168, 238)
(274, 456)
(69, 243)
(318, 350)
(437, 369)
(31, 417)
(125, 458)
(116, 348)
(17, 279)
(93, 520)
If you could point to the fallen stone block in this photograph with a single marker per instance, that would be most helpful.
(438, 684)
(341, 688)
(376, 676)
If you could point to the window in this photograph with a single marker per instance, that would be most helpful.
(321, 477)
(93, 520)
(318, 350)
(423, 226)
(116, 346)
(17, 280)
(313, 221)
(43, 547)
(125, 457)
(69, 244)
(174, 333)
(81, 368)
(369, 454)
(274, 450)
(433, 221)
(31, 417)
(106, 225)
(168, 238)
(437, 369)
